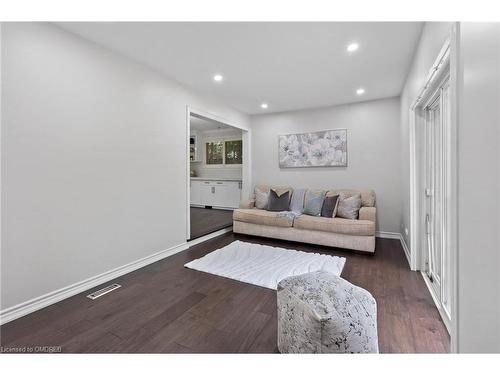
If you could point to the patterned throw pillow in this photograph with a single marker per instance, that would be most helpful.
(329, 206)
(261, 199)
(313, 202)
(278, 202)
(348, 208)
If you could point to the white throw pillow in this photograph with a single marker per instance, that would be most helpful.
(261, 199)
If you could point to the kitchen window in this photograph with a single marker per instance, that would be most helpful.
(233, 152)
(224, 152)
(215, 152)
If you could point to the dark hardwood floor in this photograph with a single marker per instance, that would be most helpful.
(206, 220)
(167, 308)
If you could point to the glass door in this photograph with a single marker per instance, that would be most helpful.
(433, 194)
(436, 165)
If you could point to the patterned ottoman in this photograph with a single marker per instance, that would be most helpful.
(319, 312)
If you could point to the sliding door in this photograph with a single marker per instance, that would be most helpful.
(435, 195)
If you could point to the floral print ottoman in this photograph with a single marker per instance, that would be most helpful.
(319, 312)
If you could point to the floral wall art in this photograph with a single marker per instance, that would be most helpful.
(326, 148)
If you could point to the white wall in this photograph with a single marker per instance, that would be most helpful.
(479, 188)
(373, 140)
(93, 160)
(434, 34)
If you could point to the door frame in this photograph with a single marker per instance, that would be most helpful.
(444, 67)
(417, 121)
(434, 96)
(247, 160)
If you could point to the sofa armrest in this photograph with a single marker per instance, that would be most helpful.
(367, 213)
(248, 203)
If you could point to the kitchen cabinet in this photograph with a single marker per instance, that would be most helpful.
(215, 193)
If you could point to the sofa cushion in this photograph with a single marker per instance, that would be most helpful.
(279, 202)
(279, 189)
(261, 199)
(313, 202)
(368, 213)
(263, 217)
(348, 207)
(367, 196)
(335, 225)
(247, 203)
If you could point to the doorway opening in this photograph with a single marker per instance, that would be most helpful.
(217, 168)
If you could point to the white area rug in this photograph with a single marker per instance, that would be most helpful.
(263, 265)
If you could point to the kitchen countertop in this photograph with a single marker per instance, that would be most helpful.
(215, 179)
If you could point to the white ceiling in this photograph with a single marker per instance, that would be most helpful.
(287, 65)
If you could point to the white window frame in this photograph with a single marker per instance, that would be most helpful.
(223, 140)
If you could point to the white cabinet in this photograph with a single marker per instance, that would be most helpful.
(224, 194)
(227, 194)
(234, 194)
(199, 192)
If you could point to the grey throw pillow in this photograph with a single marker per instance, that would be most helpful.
(297, 201)
(329, 206)
(314, 202)
(348, 208)
(279, 202)
(261, 199)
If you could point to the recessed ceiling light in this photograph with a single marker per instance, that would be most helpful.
(360, 91)
(264, 106)
(218, 78)
(352, 47)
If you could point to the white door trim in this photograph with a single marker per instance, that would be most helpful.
(246, 167)
(445, 59)
(416, 120)
(453, 168)
(425, 96)
(414, 227)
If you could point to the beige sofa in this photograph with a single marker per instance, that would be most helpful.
(336, 232)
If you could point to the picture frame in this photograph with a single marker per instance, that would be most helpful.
(325, 148)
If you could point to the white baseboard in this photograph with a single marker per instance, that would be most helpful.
(48, 299)
(406, 249)
(391, 235)
(396, 236)
(45, 300)
(210, 236)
